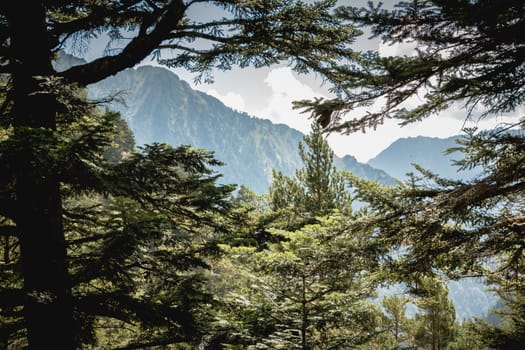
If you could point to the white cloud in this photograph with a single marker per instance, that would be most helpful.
(230, 99)
(365, 146)
(397, 49)
(286, 88)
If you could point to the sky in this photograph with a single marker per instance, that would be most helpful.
(268, 93)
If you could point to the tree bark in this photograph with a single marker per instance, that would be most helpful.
(48, 304)
(304, 315)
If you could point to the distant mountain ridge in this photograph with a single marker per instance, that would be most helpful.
(160, 107)
(428, 152)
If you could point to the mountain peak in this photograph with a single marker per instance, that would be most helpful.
(428, 152)
(160, 107)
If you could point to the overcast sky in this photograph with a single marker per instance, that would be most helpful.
(269, 92)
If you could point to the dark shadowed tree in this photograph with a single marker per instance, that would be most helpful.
(139, 228)
(241, 33)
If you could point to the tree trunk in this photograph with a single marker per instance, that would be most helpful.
(48, 304)
(304, 316)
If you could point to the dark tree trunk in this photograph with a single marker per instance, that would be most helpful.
(48, 304)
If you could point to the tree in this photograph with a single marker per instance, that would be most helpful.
(463, 228)
(250, 33)
(395, 310)
(467, 337)
(468, 52)
(436, 320)
(138, 232)
(307, 287)
(316, 189)
(308, 291)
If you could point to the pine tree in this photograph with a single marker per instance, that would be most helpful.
(470, 53)
(436, 318)
(257, 33)
(307, 291)
(395, 309)
(307, 287)
(316, 189)
(138, 229)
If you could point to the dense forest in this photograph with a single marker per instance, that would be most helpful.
(106, 245)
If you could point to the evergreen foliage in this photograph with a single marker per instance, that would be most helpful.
(435, 325)
(316, 189)
(469, 52)
(115, 245)
(44, 161)
(139, 227)
(308, 291)
(309, 286)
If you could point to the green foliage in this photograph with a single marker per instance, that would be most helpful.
(467, 51)
(308, 286)
(467, 337)
(458, 225)
(52, 149)
(317, 189)
(508, 332)
(307, 291)
(395, 321)
(461, 227)
(139, 227)
(436, 321)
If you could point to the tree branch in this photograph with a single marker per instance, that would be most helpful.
(139, 48)
(8, 231)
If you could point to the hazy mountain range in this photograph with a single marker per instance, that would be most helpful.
(428, 152)
(160, 107)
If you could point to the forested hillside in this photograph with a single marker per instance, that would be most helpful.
(159, 107)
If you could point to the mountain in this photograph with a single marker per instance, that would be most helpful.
(428, 152)
(363, 170)
(160, 107)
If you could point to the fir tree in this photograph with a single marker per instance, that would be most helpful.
(468, 52)
(138, 232)
(316, 189)
(307, 287)
(257, 33)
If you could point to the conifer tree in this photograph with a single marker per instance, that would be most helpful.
(435, 321)
(138, 229)
(307, 288)
(307, 291)
(242, 33)
(396, 319)
(317, 188)
(469, 53)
